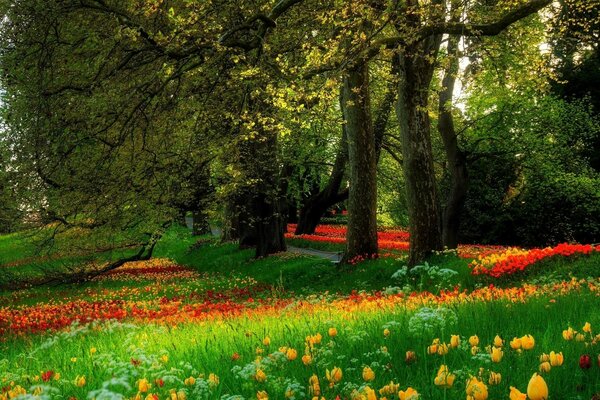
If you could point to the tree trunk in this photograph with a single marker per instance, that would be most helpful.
(316, 205)
(200, 225)
(231, 223)
(457, 161)
(361, 237)
(416, 71)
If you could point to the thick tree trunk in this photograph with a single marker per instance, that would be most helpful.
(231, 223)
(361, 237)
(416, 71)
(316, 205)
(267, 200)
(457, 161)
(200, 225)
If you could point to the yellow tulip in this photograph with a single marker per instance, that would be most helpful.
(332, 332)
(587, 327)
(545, 367)
(143, 385)
(370, 393)
(515, 344)
(474, 340)
(181, 395)
(476, 389)
(262, 395)
(408, 394)
(498, 342)
(335, 375)
(164, 358)
(497, 354)
(537, 388)
(495, 378)
(80, 381)
(306, 359)
(556, 359)
(386, 332)
(474, 350)
(267, 341)
(368, 374)
(391, 389)
(291, 354)
(442, 349)
(191, 381)
(568, 333)
(544, 357)
(93, 351)
(315, 387)
(260, 375)
(579, 337)
(527, 342)
(444, 378)
(432, 349)
(213, 379)
(515, 394)
(454, 341)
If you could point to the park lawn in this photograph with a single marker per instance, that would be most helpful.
(204, 307)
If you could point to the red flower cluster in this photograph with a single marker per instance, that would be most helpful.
(512, 261)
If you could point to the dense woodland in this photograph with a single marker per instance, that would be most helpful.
(464, 120)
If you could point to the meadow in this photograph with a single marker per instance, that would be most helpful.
(204, 319)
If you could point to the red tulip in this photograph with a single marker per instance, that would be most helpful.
(46, 376)
(585, 362)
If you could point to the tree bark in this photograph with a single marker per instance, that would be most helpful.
(456, 158)
(361, 236)
(316, 205)
(415, 73)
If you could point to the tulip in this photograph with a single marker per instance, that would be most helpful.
(515, 394)
(260, 375)
(410, 357)
(291, 354)
(497, 354)
(164, 358)
(314, 385)
(579, 337)
(495, 378)
(473, 340)
(556, 359)
(159, 382)
(368, 374)
(267, 341)
(213, 379)
(587, 327)
(409, 394)
(386, 332)
(370, 393)
(46, 376)
(262, 395)
(476, 389)
(527, 342)
(191, 381)
(585, 362)
(444, 378)
(80, 381)
(335, 375)
(442, 349)
(568, 333)
(332, 332)
(391, 389)
(545, 367)
(143, 385)
(454, 341)
(544, 357)
(498, 342)
(433, 349)
(515, 344)
(181, 395)
(306, 359)
(93, 351)
(474, 350)
(537, 388)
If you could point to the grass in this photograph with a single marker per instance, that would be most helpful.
(288, 297)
